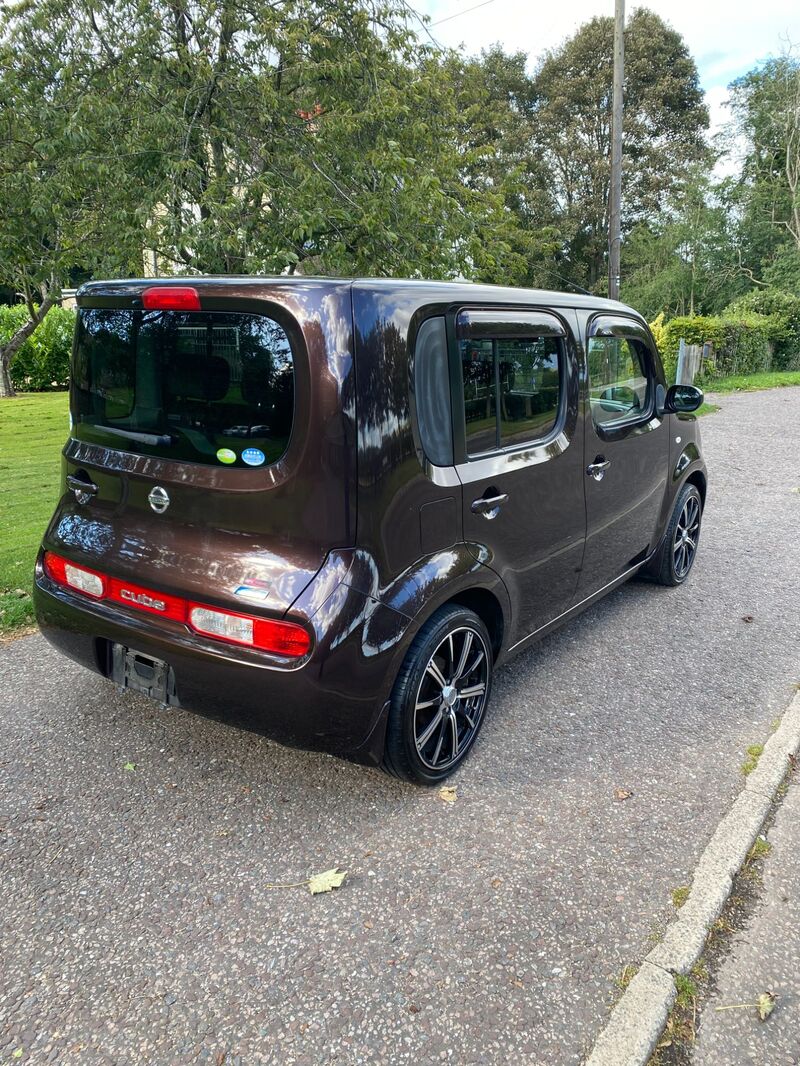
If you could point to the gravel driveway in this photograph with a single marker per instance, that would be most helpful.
(136, 922)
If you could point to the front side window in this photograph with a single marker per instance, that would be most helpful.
(207, 387)
(512, 390)
(619, 388)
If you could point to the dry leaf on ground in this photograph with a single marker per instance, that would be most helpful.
(766, 1005)
(448, 794)
(621, 794)
(326, 881)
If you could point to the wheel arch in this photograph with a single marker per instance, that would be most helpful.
(487, 607)
(699, 480)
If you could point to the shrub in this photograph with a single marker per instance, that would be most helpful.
(784, 309)
(740, 344)
(657, 329)
(42, 363)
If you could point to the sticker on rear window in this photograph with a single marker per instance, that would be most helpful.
(226, 455)
(253, 456)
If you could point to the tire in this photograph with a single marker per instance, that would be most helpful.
(674, 559)
(431, 726)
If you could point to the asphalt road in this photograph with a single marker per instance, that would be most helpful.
(761, 957)
(136, 922)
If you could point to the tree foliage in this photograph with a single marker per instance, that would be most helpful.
(685, 260)
(327, 136)
(663, 126)
(766, 109)
(493, 96)
(68, 197)
(233, 137)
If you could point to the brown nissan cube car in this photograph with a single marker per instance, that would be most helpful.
(328, 509)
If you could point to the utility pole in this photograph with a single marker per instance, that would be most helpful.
(615, 196)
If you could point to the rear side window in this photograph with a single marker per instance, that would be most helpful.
(619, 388)
(432, 392)
(512, 380)
(207, 387)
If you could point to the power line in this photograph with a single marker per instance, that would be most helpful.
(458, 14)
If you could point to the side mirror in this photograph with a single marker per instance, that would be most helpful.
(683, 399)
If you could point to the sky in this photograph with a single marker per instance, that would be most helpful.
(726, 37)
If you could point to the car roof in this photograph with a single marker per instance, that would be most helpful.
(439, 291)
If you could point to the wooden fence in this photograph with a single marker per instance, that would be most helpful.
(692, 358)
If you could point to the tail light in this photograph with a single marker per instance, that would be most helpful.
(80, 578)
(282, 638)
(171, 298)
(267, 634)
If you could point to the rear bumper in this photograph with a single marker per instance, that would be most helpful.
(333, 701)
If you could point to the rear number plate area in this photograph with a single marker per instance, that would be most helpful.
(142, 673)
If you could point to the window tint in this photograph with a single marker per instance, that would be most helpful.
(432, 392)
(511, 390)
(529, 388)
(204, 387)
(480, 394)
(618, 383)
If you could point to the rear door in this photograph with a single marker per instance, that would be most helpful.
(216, 463)
(626, 448)
(519, 448)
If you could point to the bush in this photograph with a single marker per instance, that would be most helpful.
(741, 344)
(784, 310)
(42, 363)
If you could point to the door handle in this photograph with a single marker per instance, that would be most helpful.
(598, 468)
(83, 489)
(489, 506)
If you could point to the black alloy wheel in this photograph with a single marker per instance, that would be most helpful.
(440, 697)
(674, 559)
(686, 537)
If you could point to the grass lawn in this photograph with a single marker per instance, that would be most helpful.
(772, 379)
(707, 409)
(33, 429)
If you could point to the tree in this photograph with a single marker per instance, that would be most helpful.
(684, 261)
(69, 197)
(766, 115)
(257, 138)
(493, 95)
(663, 130)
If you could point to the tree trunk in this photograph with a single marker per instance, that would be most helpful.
(6, 388)
(15, 343)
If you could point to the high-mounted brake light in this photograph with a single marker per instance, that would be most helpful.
(267, 634)
(171, 298)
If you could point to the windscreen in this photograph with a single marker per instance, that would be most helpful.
(207, 387)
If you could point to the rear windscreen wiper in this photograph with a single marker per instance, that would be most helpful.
(153, 439)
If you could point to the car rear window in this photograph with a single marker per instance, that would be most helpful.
(207, 387)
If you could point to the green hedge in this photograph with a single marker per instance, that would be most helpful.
(784, 310)
(42, 363)
(742, 344)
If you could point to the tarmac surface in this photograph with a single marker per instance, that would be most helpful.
(137, 924)
(763, 957)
